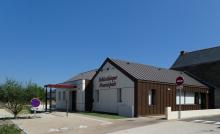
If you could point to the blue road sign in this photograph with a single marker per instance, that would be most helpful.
(35, 102)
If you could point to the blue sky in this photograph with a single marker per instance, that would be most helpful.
(48, 41)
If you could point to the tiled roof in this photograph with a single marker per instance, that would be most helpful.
(150, 73)
(83, 76)
(197, 57)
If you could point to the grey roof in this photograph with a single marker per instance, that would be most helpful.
(83, 76)
(150, 73)
(198, 57)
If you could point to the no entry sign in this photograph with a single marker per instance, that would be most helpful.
(179, 81)
(35, 102)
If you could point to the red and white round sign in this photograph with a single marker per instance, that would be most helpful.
(179, 81)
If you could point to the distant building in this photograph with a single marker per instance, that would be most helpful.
(205, 66)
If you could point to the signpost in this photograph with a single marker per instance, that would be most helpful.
(179, 83)
(35, 104)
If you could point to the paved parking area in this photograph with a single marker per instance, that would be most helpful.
(57, 122)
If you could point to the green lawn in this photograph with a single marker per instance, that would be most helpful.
(9, 129)
(103, 115)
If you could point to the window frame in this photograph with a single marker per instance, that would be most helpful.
(152, 97)
(184, 97)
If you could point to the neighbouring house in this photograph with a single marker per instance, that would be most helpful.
(203, 65)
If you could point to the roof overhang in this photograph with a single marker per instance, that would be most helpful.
(64, 86)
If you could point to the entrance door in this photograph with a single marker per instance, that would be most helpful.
(73, 101)
(203, 101)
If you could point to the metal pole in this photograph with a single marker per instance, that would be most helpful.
(180, 104)
(46, 99)
(50, 100)
(67, 104)
(35, 113)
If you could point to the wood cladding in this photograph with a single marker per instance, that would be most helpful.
(165, 96)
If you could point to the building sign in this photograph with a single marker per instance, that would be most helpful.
(109, 81)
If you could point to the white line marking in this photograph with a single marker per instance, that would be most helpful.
(102, 122)
(198, 121)
(217, 123)
(83, 126)
(54, 130)
(209, 122)
(64, 128)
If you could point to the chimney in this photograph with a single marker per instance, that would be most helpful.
(182, 52)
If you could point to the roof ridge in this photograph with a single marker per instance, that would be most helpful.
(88, 71)
(140, 64)
(158, 68)
(205, 49)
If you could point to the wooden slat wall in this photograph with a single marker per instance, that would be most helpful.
(164, 98)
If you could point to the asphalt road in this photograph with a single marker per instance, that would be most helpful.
(215, 120)
(211, 118)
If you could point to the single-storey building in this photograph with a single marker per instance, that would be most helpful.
(203, 65)
(133, 89)
(78, 98)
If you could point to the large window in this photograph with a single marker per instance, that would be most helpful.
(152, 97)
(97, 95)
(186, 97)
(119, 95)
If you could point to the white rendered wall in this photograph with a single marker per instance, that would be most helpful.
(80, 97)
(80, 101)
(108, 95)
(60, 103)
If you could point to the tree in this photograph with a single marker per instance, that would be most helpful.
(32, 90)
(12, 94)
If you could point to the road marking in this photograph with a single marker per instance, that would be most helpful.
(102, 122)
(217, 123)
(83, 126)
(64, 128)
(209, 122)
(198, 121)
(107, 123)
(206, 122)
(54, 130)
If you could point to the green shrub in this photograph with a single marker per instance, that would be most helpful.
(9, 129)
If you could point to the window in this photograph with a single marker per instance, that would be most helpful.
(186, 97)
(64, 95)
(152, 97)
(200, 100)
(97, 95)
(59, 95)
(119, 95)
(189, 98)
